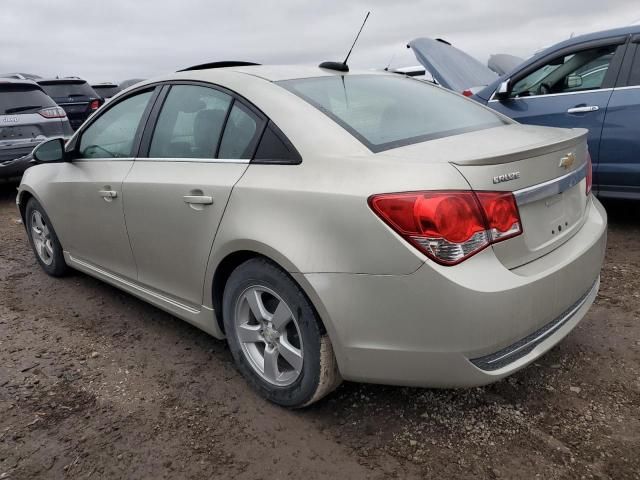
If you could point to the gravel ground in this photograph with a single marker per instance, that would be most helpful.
(97, 384)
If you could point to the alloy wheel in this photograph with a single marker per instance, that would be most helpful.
(41, 236)
(269, 335)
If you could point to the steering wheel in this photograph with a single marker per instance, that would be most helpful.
(544, 89)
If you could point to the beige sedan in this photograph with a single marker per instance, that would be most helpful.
(330, 225)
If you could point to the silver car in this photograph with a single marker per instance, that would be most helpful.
(360, 226)
(28, 116)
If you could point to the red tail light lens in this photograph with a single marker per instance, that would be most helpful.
(52, 112)
(589, 173)
(449, 227)
(502, 215)
(467, 93)
(94, 105)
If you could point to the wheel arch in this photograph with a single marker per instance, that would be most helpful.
(229, 259)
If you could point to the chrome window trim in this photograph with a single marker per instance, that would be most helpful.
(629, 87)
(193, 160)
(102, 159)
(493, 99)
(551, 187)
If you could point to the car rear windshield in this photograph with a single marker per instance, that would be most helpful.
(17, 98)
(386, 112)
(106, 91)
(68, 89)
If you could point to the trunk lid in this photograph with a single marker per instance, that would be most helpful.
(544, 167)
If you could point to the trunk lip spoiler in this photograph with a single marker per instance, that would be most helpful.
(552, 187)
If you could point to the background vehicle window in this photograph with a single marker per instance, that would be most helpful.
(389, 111)
(22, 98)
(68, 88)
(240, 134)
(585, 70)
(112, 134)
(190, 123)
(634, 77)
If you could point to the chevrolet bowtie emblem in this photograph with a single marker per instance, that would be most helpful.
(566, 162)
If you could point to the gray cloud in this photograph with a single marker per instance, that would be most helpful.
(116, 39)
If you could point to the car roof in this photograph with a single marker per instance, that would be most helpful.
(614, 32)
(272, 73)
(16, 81)
(50, 81)
(104, 84)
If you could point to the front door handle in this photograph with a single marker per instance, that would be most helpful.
(586, 109)
(198, 199)
(108, 194)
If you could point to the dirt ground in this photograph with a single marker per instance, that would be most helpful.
(97, 384)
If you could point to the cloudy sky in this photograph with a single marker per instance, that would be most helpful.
(107, 40)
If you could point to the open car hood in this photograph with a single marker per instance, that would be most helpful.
(503, 63)
(452, 68)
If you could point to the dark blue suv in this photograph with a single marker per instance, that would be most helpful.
(591, 81)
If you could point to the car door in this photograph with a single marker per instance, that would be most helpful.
(197, 146)
(87, 192)
(618, 171)
(568, 89)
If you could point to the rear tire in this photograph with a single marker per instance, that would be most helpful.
(275, 336)
(43, 240)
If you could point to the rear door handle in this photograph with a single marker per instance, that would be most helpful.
(198, 199)
(108, 194)
(587, 109)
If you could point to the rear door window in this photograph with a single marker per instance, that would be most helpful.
(19, 98)
(240, 134)
(634, 76)
(113, 133)
(190, 123)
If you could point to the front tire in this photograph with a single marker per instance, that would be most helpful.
(43, 240)
(275, 336)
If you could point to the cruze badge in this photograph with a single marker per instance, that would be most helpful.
(566, 162)
(506, 177)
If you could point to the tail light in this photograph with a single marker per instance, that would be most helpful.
(53, 112)
(450, 227)
(94, 105)
(467, 93)
(589, 173)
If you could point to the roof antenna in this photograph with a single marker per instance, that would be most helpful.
(343, 67)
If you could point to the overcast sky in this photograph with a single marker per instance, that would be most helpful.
(111, 40)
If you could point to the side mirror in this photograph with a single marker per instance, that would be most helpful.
(574, 81)
(504, 90)
(50, 151)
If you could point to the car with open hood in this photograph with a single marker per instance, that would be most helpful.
(589, 81)
(330, 224)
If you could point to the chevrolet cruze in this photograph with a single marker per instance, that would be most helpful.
(331, 225)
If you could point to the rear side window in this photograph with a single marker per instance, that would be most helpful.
(190, 123)
(634, 77)
(112, 134)
(274, 147)
(68, 89)
(19, 98)
(386, 112)
(240, 134)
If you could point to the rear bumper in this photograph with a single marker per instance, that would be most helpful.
(442, 326)
(14, 166)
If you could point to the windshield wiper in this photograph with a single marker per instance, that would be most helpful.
(22, 109)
